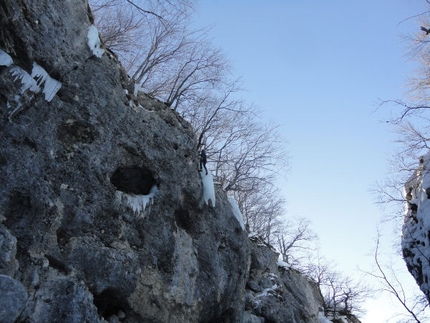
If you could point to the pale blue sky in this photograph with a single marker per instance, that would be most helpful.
(319, 68)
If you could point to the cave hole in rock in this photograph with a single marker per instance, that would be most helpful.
(133, 180)
(110, 302)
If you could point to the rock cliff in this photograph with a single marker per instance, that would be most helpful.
(102, 213)
(277, 293)
(416, 226)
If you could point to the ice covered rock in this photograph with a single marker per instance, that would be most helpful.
(416, 226)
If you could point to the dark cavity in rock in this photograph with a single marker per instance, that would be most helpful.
(133, 180)
(110, 302)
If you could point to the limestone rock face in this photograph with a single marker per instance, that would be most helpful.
(278, 294)
(85, 241)
(102, 213)
(13, 298)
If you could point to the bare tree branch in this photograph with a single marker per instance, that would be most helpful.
(393, 286)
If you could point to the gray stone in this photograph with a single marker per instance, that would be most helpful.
(252, 285)
(8, 262)
(62, 300)
(80, 228)
(79, 234)
(288, 296)
(13, 298)
(250, 318)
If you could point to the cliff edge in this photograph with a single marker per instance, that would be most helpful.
(416, 226)
(102, 211)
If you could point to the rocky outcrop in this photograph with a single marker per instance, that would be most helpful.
(103, 215)
(278, 293)
(416, 226)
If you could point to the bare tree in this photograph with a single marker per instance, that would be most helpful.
(159, 9)
(209, 114)
(164, 57)
(411, 120)
(416, 307)
(128, 28)
(262, 210)
(202, 68)
(411, 123)
(119, 25)
(295, 241)
(257, 155)
(343, 296)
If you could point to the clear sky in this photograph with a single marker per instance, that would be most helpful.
(319, 68)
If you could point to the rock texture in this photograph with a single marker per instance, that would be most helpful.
(84, 250)
(102, 216)
(278, 294)
(416, 226)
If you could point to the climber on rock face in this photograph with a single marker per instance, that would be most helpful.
(203, 161)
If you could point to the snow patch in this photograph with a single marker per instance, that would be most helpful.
(283, 264)
(94, 41)
(50, 85)
(236, 211)
(138, 203)
(38, 78)
(28, 83)
(5, 59)
(208, 188)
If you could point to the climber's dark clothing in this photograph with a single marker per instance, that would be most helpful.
(203, 160)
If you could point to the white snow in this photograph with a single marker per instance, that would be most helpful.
(28, 83)
(208, 188)
(5, 59)
(138, 202)
(94, 41)
(50, 85)
(236, 211)
(283, 264)
(38, 78)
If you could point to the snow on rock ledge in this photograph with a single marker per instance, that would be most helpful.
(94, 41)
(416, 227)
